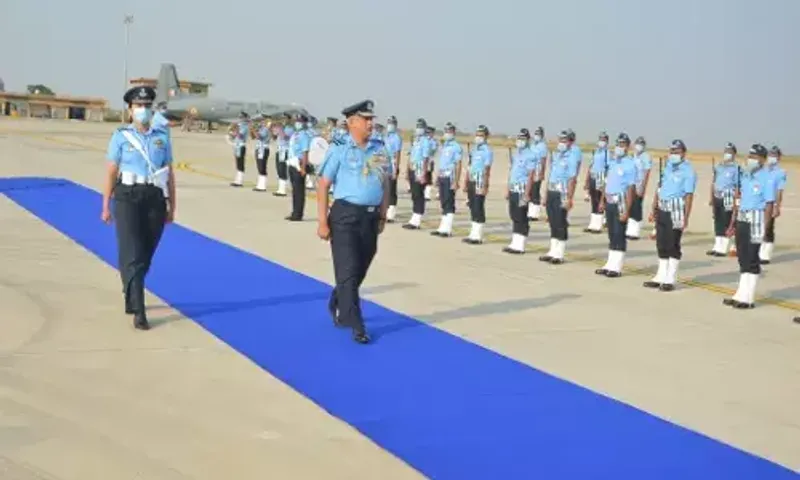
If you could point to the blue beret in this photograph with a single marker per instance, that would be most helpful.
(140, 94)
(623, 137)
(524, 133)
(730, 146)
(362, 109)
(678, 144)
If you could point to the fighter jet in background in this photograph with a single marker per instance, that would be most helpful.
(183, 106)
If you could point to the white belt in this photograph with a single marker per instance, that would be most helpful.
(130, 178)
(293, 162)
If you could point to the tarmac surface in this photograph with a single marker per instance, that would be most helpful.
(84, 396)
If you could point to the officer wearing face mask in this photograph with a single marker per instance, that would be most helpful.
(595, 182)
(563, 176)
(477, 185)
(724, 190)
(160, 119)
(283, 135)
(616, 203)
(524, 165)
(298, 165)
(539, 148)
(752, 214)
(261, 134)
(141, 180)
(421, 156)
(778, 175)
(672, 206)
(644, 163)
(447, 179)
(238, 133)
(430, 132)
(394, 144)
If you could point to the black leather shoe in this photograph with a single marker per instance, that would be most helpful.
(408, 226)
(743, 305)
(545, 258)
(601, 271)
(292, 218)
(278, 194)
(436, 233)
(556, 261)
(512, 251)
(613, 274)
(140, 322)
(237, 185)
(796, 320)
(729, 302)
(360, 336)
(666, 287)
(651, 284)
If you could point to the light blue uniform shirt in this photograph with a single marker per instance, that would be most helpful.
(643, 162)
(434, 145)
(420, 150)
(778, 174)
(449, 157)
(565, 166)
(726, 176)
(357, 174)
(523, 161)
(758, 189)
(242, 129)
(600, 161)
(621, 175)
(301, 143)
(677, 180)
(160, 121)
(155, 142)
(262, 138)
(283, 140)
(394, 144)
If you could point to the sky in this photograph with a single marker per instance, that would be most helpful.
(705, 71)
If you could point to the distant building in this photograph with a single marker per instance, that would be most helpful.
(193, 88)
(52, 106)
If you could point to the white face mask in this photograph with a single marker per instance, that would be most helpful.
(562, 147)
(772, 160)
(602, 144)
(298, 125)
(419, 131)
(390, 128)
(521, 143)
(674, 158)
(639, 148)
(727, 157)
(142, 114)
(619, 151)
(537, 138)
(479, 140)
(752, 163)
(448, 136)
(342, 131)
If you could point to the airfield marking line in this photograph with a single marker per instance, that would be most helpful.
(493, 238)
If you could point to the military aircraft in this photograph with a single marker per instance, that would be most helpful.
(181, 106)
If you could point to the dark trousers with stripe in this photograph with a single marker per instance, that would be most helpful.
(722, 218)
(617, 240)
(595, 195)
(769, 233)
(417, 193)
(536, 193)
(447, 195)
(477, 203)
(354, 243)
(261, 162)
(747, 250)
(139, 213)
(668, 239)
(393, 191)
(240, 156)
(518, 214)
(637, 211)
(557, 216)
(298, 192)
(280, 164)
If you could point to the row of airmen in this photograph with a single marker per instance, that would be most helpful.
(615, 184)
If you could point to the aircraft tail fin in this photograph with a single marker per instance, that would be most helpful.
(168, 85)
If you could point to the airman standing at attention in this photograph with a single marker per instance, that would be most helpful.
(394, 144)
(359, 170)
(595, 182)
(644, 163)
(672, 206)
(298, 165)
(723, 192)
(477, 185)
(779, 180)
(421, 152)
(140, 178)
(563, 176)
(238, 133)
(431, 133)
(540, 150)
(283, 135)
(447, 179)
(617, 200)
(261, 135)
(751, 216)
(524, 165)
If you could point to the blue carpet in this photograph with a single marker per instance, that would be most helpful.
(447, 407)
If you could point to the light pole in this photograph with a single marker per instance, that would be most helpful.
(128, 21)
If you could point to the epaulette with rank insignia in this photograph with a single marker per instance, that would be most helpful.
(337, 141)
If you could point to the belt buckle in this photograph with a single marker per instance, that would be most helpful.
(370, 209)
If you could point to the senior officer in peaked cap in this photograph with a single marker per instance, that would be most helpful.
(141, 179)
(360, 170)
